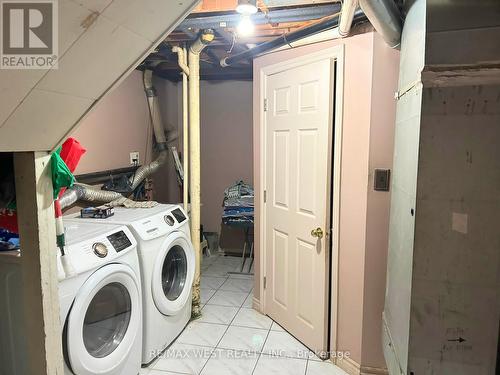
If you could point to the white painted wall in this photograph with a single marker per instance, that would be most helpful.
(403, 198)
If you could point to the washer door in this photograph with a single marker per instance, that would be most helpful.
(173, 274)
(104, 321)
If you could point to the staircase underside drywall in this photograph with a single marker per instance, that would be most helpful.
(100, 42)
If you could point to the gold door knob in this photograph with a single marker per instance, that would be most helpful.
(317, 233)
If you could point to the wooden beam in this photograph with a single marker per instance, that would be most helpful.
(35, 210)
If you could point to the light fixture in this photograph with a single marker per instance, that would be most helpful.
(247, 7)
(245, 27)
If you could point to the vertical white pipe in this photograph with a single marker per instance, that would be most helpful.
(346, 17)
(185, 135)
(194, 170)
(194, 157)
(182, 60)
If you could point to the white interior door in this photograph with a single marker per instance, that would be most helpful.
(297, 125)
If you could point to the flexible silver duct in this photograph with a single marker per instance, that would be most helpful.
(148, 170)
(385, 17)
(71, 196)
(86, 193)
(92, 194)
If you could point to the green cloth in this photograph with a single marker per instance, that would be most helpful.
(61, 175)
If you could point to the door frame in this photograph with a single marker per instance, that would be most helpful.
(336, 56)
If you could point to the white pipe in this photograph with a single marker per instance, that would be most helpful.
(346, 17)
(343, 30)
(311, 39)
(185, 129)
(194, 157)
(182, 60)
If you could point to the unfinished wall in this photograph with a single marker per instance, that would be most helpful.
(367, 138)
(456, 253)
(443, 301)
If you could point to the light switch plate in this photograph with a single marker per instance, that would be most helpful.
(382, 179)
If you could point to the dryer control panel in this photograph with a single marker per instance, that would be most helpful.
(179, 215)
(160, 224)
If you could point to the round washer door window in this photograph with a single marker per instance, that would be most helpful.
(174, 272)
(106, 320)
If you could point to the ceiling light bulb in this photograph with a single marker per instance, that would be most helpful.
(247, 6)
(245, 27)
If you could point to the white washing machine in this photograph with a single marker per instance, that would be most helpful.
(100, 304)
(167, 260)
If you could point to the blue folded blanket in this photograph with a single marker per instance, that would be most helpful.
(8, 240)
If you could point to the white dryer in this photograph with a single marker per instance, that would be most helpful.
(167, 260)
(101, 305)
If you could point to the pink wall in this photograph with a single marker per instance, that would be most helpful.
(226, 141)
(382, 126)
(116, 126)
(226, 144)
(121, 124)
(361, 150)
(166, 186)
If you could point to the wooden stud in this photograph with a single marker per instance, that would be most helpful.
(38, 261)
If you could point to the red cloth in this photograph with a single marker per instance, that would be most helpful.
(8, 220)
(71, 153)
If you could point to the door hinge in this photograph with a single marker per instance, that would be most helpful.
(265, 279)
(265, 105)
(265, 196)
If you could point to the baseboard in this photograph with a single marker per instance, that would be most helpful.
(256, 304)
(367, 370)
(353, 368)
(348, 365)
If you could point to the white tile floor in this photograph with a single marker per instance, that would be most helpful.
(231, 338)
